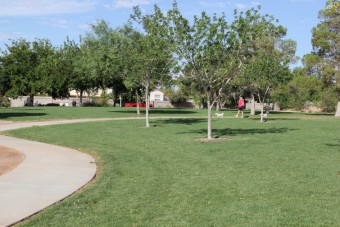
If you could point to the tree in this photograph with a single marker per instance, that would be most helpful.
(152, 56)
(207, 57)
(4, 78)
(22, 65)
(106, 57)
(55, 73)
(131, 77)
(326, 44)
(265, 72)
(261, 43)
(298, 92)
(84, 77)
(96, 65)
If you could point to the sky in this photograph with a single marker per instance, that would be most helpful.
(58, 19)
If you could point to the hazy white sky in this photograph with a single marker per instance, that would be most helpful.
(57, 19)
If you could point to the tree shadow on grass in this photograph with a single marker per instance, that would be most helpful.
(156, 111)
(334, 145)
(296, 113)
(7, 115)
(269, 119)
(320, 114)
(32, 109)
(238, 131)
(186, 121)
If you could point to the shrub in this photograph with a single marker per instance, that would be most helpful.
(89, 103)
(5, 102)
(177, 97)
(281, 97)
(104, 99)
(298, 92)
(329, 100)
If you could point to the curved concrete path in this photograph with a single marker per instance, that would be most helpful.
(48, 174)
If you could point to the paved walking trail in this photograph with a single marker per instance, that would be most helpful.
(47, 173)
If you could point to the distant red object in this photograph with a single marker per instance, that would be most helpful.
(134, 104)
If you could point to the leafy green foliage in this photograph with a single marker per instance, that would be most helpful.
(150, 53)
(326, 44)
(23, 67)
(329, 99)
(266, 55)
(303, 90)
(207, 55)
(324, 61)
(4, 101)
(298, 92)
(176, 96)
(281, 96)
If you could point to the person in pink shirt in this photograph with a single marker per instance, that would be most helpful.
(240, 107)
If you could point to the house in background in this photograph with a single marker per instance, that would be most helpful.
(158, 99)
(74, 93)
(158, 95)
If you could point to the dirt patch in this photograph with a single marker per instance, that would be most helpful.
(5, 122)
(9, 159)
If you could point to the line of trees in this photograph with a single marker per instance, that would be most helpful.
(208, 58)
(318, 81)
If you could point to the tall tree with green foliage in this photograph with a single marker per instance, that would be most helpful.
(152, 56)
(207, 55)
(5, 82)
(95, 64)
(87, 64)
(325, 59)
(266, 54)
(131, 78)
(55, 74)
(265, 72)
(107, 46)
(298, 92)
(94, 60)
(23, 64)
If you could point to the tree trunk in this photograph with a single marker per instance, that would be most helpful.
(31, 100)
(81, 97)
(337, 114)
(147, 124)
(138, 102)
(218, 104)
(252, 105)
(262, 107)
(209, 117)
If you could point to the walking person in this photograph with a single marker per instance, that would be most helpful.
(240, 107)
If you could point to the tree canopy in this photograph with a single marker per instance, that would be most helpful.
(24, 65)
(324, 61)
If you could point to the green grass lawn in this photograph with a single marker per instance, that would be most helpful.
(285, 172)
